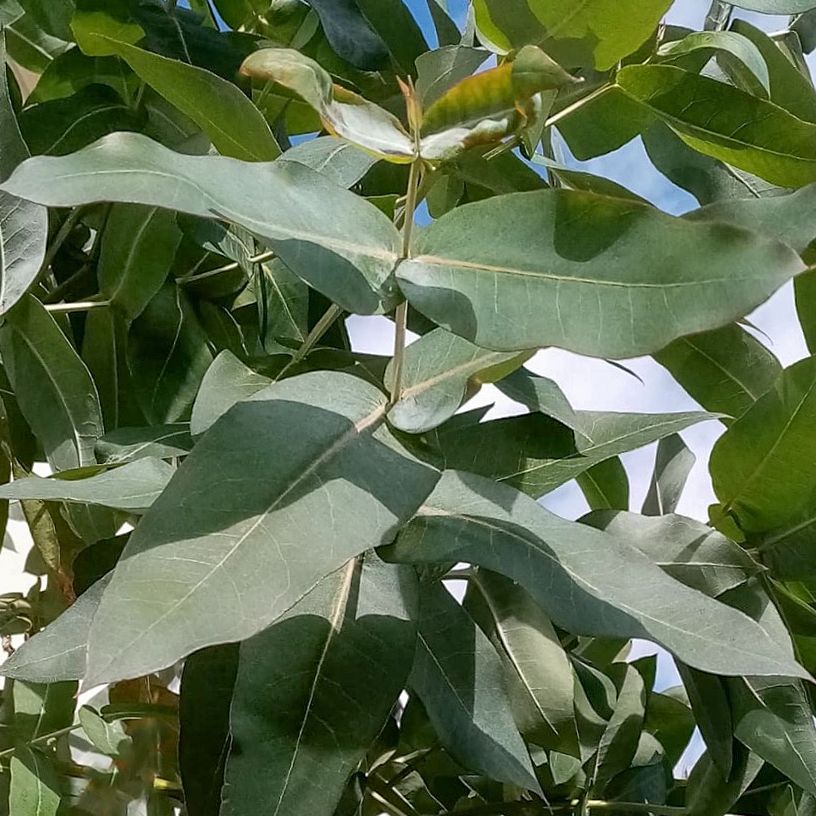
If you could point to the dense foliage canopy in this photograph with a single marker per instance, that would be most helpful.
(250, 529)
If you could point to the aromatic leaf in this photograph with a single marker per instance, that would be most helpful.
(673, 463)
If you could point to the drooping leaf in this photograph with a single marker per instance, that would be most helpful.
(588, 582)
(349, 257)
(167, 356)
(760, 466)
(131, 444)
(538, 674)
(317, 469)
(350, 34)
(440, 370)
(138, 247)
(725, 370)
(605, 486)
(673, 463)
(53, 388)
(591, 33)
(227, 382)
(459, 678)
(338, 661)
(132, 487)
(686, 549)
(567, 259)
(726, 123)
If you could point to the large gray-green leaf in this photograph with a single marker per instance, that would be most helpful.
(540, 394)
(568, 260)
(460, 680)
(35, 785)
(726, 123)
(686, 549)
(761, 467)
(725, 370)
(776, 6)
(168, 353)
(440, 370)
(129, 444)
(337, 661)
(344, 163)
(673, 463)
(132, 487)
(53, 388)
(320, 480)
(587, 581)
(58, 652)
(138, 247)
(226, 382)
(539, 676)
(334, 240)
(536, 455)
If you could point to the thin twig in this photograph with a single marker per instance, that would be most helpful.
(579, 103)
(230, 267)
(312, 338)
(62, 234)
(44, 738)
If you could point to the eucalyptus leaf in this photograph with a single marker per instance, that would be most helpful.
(673, 463)
(131, 444)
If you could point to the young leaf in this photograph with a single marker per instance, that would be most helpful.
(673, 463)
(440, 370)
(53, 388)
(338, 661)
(588, 582)
(638, 277)
(315, 468)
(348, 256)
(459, 678)
(132, 487)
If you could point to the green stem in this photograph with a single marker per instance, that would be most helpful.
(312, 338)
(195, 277)
(64, 231)
(579, 103)
(79, 306)
(44, 738)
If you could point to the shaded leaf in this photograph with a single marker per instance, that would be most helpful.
(605, 486)
(712, 794)
(440, 69)
(673, 463)
(35, 785)
(350, 34)
(130, 444)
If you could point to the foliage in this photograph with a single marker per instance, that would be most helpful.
(250, 529)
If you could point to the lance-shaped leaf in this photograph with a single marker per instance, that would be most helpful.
(596, 33)
(567, 260)
(725, 370)
(536, 454)
(53, 388)
(35, 784)
(344, 163)
(337, 661)
(350, 34)
(606, 485)
(686, 549)
(440, 371)
(138, 248)
(227, 382)
(539, 676)
(129, 444)
(673, 463)
(710, 793)
(726, 123)
(542, 395)
(588, 582)
(460, 680)
(342, 112)
(348, 256)
(761, 466)
(131, 487)
(442, 68)
(58, 652)
(320, 479)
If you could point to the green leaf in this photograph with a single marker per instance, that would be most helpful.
(73, 70)
(35, 786)
(539, 677)
(670, 721)
(567, 258)
(536, 455)
(776, 6)
(726, 370)
(138, 247)
(330, 477)
(727, 43)
(597, 33)
(108, 738)
(344, 163)
(710, 793)
(395, 23)
(41, 709)
(349, 256)
(58, 652)
(688, 550)
(760, 466)
(726, 123)
(132, 487)
(30, 46)
(227, 382)
(440, 69)
(605, 485)
(338, 661)
(350, 34)
(167, 356)
(540, 394)
(131, 444)
(673, 463)
(207, 684)
(440, 371)
(53, 388)
(588, 582)
(460, 680)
